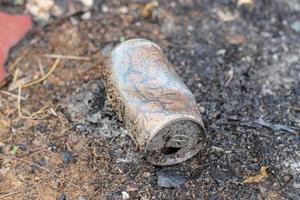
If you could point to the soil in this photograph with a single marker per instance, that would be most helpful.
(242, 65)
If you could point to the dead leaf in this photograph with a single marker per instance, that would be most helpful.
(147, 10)
(4, 124)
(235, 39)
(258, 178)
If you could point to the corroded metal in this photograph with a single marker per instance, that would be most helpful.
(157, 107)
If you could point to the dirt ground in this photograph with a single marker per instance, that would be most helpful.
(242, 65)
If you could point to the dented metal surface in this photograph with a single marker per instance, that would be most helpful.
(157, 107)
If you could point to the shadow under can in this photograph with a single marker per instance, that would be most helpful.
(157, 107)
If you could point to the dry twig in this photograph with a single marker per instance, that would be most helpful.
(12, 95)
(67, 57)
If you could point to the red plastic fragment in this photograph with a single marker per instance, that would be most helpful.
(12, 29)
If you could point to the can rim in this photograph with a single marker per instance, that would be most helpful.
(188, 154)
(137, 40)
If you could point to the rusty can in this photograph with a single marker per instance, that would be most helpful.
(156, 106)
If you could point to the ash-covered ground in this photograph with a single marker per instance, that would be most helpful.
(242, 65)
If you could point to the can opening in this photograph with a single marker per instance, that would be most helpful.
(170, 150)
(176, 142)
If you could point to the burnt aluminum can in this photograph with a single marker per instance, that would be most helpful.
(157, 107)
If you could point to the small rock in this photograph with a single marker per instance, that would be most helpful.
(296, 26)
(287, 178)
(190, 28)
(146, 174)
(22, 147)
(40, 9)
(87, 3)
(104, 9)
(62, 196)
(67, 157)
(202, 109)
(86, 16)
(170, 178)
(221, 52)
(42, 162)
(125, 195)
(219, 176)
(81, 198)
(123, 10)
(52, 147)
(42, 128)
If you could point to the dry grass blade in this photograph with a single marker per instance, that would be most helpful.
(94, 194)
(14, 85)
(19, 103)
(44, 77)
(34, 115)
(16, 75)
(12, 95)
(68, 57)
(30, 116)
(14, 193)
(15, 63)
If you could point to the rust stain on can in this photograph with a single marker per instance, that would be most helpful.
(157, 107)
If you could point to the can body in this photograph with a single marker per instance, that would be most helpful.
(157, 107)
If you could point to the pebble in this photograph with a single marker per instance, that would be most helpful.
(42, 128)
(296, 26)
(87, 3)
(170, 178)
(81, 198)
(221, 52)
(104, 9)
(86, 15)
(67, 157)
(287, 178)
(62, 196)
(22, 147)
(123, 10)
(220, 176)
(52, 147)
(202, 109)
(125, 195)
(42, 162)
